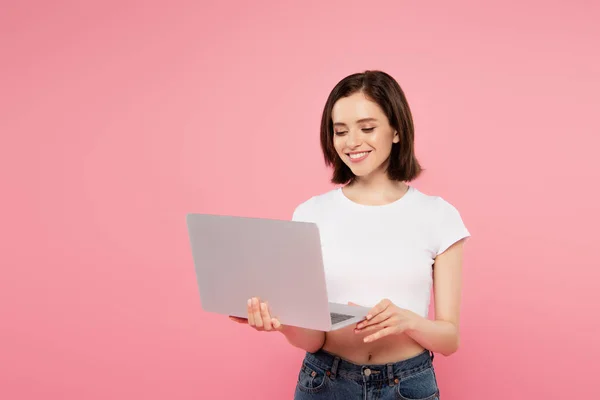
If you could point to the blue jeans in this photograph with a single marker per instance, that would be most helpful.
(325, 376)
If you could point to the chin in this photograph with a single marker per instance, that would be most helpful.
(361, 172)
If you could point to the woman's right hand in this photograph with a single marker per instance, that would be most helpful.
(259, 317)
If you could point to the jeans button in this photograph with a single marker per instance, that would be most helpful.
(367, 372)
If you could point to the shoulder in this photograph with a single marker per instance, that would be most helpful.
(434, 205)
(445, 222)
(310, 209)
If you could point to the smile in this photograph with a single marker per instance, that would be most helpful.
(355, 157)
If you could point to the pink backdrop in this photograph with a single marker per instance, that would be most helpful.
(117, 119)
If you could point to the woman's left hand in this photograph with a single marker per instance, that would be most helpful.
(386, 319)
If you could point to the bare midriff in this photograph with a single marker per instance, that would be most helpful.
(348, 345)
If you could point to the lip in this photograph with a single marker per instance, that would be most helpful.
(357, 160)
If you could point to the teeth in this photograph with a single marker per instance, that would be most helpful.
(358, 155)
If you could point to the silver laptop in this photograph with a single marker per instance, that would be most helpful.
(237, 258)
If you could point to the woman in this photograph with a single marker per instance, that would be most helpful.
(385, 244)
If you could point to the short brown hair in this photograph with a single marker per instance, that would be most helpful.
(381, 88)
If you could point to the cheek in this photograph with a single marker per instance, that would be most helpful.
(383, 142)
(338, 144)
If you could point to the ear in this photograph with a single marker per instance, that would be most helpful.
(396, 138)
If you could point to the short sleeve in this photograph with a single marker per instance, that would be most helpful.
(304, 212)
(449, 226)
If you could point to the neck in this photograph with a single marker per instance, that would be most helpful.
(375, 190)
(378, 182)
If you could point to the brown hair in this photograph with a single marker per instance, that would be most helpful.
(387, 93)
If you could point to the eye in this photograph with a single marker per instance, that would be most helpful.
(368, 130)
(340, 133)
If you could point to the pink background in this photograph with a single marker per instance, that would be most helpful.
(118, 119)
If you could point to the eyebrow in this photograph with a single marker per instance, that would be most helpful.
(359, 121)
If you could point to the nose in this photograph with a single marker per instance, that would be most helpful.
(353, 139)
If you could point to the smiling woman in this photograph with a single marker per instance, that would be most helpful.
(365, 113)
(364, 144)
(386, 245)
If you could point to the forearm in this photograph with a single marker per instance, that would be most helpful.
(305, 339)
(437, 336)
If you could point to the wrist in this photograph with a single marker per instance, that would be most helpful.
(286, 329)
(290, 332)
(415, 324)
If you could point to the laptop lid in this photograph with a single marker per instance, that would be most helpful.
(237, 258)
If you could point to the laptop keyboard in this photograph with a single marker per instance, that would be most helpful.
(336, 318)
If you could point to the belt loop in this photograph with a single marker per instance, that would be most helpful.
(390, 374)
(334, 367)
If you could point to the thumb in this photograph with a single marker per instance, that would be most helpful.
(276, 324)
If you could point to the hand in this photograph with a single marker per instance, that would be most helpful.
(386, 319)
(259, 317)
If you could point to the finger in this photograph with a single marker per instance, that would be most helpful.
(381, 317)
(250, 313)
(373, 328)
(353, 304)
(381, 306)
(266, 317)
(239, 320)
(258, 322)
(380, 334)
(276, 324)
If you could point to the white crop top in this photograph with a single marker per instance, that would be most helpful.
(376, 252)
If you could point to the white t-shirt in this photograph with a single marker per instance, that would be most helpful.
(376, 252)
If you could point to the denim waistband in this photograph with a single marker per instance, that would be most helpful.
(392, 372)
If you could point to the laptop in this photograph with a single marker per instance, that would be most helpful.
(237, 258)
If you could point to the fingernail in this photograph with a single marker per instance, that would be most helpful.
(263, 306)
(249, 302)
(255, 300)
(369, 316)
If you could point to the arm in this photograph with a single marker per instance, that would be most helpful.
(259, 317)
(442, 334)
(306, 339)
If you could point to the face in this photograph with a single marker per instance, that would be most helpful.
(362, 135)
